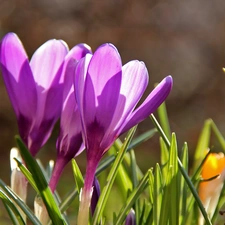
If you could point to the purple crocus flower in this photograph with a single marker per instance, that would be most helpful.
(131, 220)
(107, 94)
(34, 88)
(69, 143)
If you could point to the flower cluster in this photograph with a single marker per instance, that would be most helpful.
(93, 94)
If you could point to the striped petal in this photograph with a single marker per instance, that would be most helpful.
(151, 103)
(102, 86)
(134, 82)
(17, 76)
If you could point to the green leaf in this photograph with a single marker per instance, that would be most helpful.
(203, 143)
(13, 212)
(164, 156)
(131, 199)
(183, 186)
(171, 190)
(142, 138)
(174, 181)
(164, 121)
(20, 203)
(218, 135)
(68, 200)
(135, 183)
(122, 179)
(110, 179)
(41, 183)
(77, 176)
(158, 195)
(183, 172)
(151, 187)
(27, 174)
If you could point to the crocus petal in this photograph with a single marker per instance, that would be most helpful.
(46, 62)
(46, 65)
(76, 53)
(80, 76)
(17, 76)
(151, 103)
(102, 86)
(70, 138)
(131, 220)
(79, 51)
(134, 82)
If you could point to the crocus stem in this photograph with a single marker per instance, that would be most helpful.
(57, 171)
(86, 194)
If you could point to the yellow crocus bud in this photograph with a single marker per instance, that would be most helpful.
(209, 191)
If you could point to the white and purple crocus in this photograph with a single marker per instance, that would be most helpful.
(34, 87)
(107, 94)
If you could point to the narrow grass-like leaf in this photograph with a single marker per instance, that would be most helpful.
(143, 213)
(170, 189)
(203, 143)
(105, 163)
(183, 185)
(13, 212)
(196, 176)
(158, 194)
(10, 214)
(164, 156)
(110, 179)
(77, 176)
(27, 174)
(164, 121)
(174, 190)
(20, 203)
(218, 135)
(142, 138)
(43, 170)
(68, 200)
(151, 187)
(135, 183)
(131, 199)
(122, 178)
(183, 172)
(41, 183)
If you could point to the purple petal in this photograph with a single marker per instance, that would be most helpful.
(46, 62)
(151, 103)
(134, 83)
(102, 86)
(80, 76)
(95, 195)
(39, 134)
(79, 51)
(131, 220)
(76, 53)
(17, 76)
(47, 65)
(70, 138)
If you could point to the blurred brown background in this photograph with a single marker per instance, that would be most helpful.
(183, 38)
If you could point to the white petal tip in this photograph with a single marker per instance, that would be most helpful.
(14, 153)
